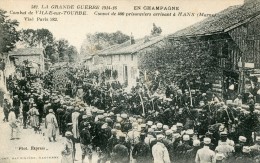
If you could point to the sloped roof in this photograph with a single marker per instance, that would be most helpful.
(128, 48)
(26, 52)
(222, 21)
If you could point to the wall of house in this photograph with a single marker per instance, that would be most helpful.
(126, 66)
(247, 38)
(34, 58)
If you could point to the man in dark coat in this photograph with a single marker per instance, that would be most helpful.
(40, 106)
(120, 153)
(25, 110)
(112, 141)
(6, 107)
(16, 105)
(141, 151)
(86, 142)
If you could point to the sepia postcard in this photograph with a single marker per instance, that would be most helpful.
(153, 46)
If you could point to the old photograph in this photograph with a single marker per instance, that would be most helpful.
(128, 81)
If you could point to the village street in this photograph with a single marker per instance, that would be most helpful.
(25, 149)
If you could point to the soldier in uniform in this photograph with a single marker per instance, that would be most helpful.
(6, 108)
(182, 149)
(141, 151)
(60, 113)
(112, 141)
(16, 105)
(224, 147)
(239, 146)
(51, 125)
(105, 134)
(246, 157)
(205, 154)
(133, 135)
(25, 112)
(86, 142)
(120, 153)
(251, 125)
(40, 106)
(255, 149)
(160, 152)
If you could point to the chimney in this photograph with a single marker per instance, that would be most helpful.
(132, 40)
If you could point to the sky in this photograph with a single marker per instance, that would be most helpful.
(75, 27)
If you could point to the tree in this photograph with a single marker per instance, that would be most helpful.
(156, 30)
(101, 40)
(180, 61)
(71, 53)
(34, 38)
(8, 33)
(62, 46)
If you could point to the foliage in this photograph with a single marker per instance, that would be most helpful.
(179, 61)
(33, 38)
(55, 50)
(115, 74)
(156, 30)
(8, 33)
(101, 40)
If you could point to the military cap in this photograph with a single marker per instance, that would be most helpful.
(101, 117)
(174, 128)
(94, 110)
(104, 126)
(196, 143)
(134, 124)
(165, 127)
(111, 114)
(108, 120)
(179, 125)
(50, 110)
(176, 135)
(139, 120)
(82, 109)
(246, 149)
(250, 96)
(154, 127)
(150, 123)
(223, 133)
(189, 132)
(207, 140)
(159, 136)
(186, 137)
(100, 111)
(124, 116)
(118, 125)
(68, 133)
(69, 124)
(119, 119)
(229, 102)
(122, 135)
(150, 130)
(242, 139)
(168, 132)
(159, 125)
(220, 156)
(84, 117)
(113, 131)
(257, 138)
(143, 125)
